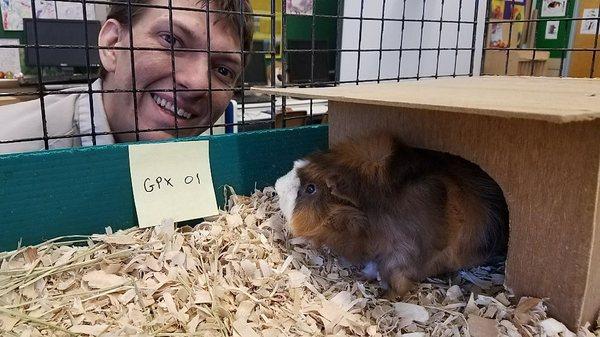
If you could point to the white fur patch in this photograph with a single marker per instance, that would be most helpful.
(287, 189)
(370, 271)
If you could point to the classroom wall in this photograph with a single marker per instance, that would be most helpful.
(371, 32)
(101, 11)
(11, 59)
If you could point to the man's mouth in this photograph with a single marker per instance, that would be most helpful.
(170, 107)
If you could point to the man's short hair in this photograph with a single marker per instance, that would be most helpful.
(238, 14)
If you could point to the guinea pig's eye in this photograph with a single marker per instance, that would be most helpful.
(310, 189)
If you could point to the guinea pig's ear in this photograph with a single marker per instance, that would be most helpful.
(343, 188)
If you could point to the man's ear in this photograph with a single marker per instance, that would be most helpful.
(343, 187)
(110, 35)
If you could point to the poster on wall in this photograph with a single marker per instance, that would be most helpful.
(74, 11)
(552, 8)
(45, 9)
(497, 9)
(589, 26)
(552, 30)
(500, 32)
(299, 7)
(14, 11)
(514, 9)
(9, 57)
(497, 36)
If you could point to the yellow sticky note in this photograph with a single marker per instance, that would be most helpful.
(171, 181)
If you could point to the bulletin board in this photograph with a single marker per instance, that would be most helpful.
(552, 32)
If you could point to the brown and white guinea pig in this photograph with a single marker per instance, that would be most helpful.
(405, 213)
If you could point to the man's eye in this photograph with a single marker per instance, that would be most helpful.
(225, 72)
(171, 40)
(226, 75)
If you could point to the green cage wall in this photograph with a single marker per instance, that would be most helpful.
(48, 194)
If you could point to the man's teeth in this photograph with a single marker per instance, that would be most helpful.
(168, 105)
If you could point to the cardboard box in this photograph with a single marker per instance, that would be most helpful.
(520, 62)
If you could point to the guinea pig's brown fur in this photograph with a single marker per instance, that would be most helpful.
(414, 212)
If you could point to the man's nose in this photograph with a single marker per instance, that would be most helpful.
(192, 73)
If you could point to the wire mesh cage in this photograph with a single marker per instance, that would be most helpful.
(100, 72)
(143, 70)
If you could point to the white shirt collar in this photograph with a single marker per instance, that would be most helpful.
(84, 117)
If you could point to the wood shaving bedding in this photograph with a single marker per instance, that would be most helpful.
(241, 274)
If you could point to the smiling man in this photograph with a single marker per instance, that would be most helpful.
(164, 100)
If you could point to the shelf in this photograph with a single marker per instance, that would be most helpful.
(557, 100)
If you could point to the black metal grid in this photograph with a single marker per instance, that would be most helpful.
(458, 19)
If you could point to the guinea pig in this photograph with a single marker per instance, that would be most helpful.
(410, 213)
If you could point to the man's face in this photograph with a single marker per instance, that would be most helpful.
(153, 71)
